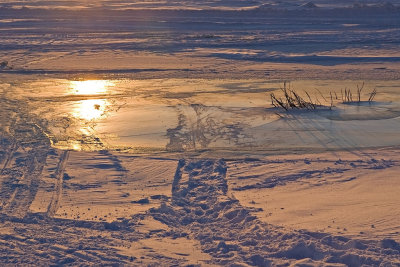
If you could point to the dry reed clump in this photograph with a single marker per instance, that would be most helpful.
(347, 97)
(292, 100)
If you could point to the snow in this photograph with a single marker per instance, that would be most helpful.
(343, 193)
(299, 43)
(142, 133)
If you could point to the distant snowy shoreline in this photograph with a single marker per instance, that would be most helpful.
(203, 5)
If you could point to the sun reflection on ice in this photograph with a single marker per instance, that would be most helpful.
(76, 146)
(89, 104)
(91, 87)
(90, 109)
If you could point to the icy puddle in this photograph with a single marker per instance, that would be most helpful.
(207, 116)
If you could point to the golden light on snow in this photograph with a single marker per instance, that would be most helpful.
(90, 109)
(76, 146)
(90, 87)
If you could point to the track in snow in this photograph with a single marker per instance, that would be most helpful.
(201, 209)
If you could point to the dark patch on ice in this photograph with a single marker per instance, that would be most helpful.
(102, 166)
(141, 201)
(75, 186)
(362, 114)
(66, 177)
(159, 197)
(308, 59)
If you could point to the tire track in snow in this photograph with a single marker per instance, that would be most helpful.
(9, 156)
(22, 189)
(3, 185)
(22, 170)
(59, 173)
(11, 176)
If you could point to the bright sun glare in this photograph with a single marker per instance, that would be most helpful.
(90, 109)
(90, 87)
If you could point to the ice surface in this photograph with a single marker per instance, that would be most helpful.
(155, 115)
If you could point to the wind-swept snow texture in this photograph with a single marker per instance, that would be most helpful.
(290, 39)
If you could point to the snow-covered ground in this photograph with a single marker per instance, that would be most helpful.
(280, 43)
(142, 133)
(191, 4)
